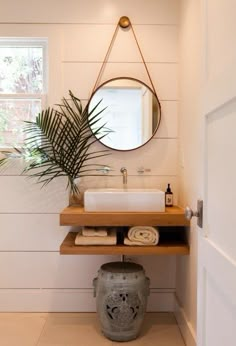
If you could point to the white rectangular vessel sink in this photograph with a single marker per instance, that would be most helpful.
(126, 199)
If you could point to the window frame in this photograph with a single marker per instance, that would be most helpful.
(28, 42)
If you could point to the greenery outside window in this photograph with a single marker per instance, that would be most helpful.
(23, 86)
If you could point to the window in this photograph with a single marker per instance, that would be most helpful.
(22, 86)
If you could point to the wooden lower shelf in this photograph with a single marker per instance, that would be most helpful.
(68, 247)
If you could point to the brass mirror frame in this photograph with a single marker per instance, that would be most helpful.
(153, 93)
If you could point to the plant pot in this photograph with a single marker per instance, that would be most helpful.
(77, 198)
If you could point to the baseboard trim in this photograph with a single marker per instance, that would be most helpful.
(185, 326)
(71, 300)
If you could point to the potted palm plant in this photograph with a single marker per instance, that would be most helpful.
(59, 143)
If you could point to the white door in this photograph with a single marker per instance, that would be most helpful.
(216, 325)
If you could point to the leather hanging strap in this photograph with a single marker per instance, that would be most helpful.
(110, 48)
(106, 56)
(145, 65)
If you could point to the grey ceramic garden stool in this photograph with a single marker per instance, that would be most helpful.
(121, 291)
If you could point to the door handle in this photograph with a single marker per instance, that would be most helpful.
(189, 213)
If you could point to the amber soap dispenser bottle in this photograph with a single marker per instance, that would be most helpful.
(168, 197)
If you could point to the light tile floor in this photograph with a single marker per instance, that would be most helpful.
(81, 329)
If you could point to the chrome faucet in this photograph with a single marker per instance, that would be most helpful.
(124, 172)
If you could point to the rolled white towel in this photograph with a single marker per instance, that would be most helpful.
(94, 232)
(110, 239)
(142, 235)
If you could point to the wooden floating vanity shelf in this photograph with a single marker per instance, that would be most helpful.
(172, 217)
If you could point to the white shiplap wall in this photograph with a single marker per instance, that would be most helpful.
(33, 276)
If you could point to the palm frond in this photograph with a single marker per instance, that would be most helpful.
(3, 161)
(60, 142)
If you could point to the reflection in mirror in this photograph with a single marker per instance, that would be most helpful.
(132, 113)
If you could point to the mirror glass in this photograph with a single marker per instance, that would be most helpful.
(132, 113)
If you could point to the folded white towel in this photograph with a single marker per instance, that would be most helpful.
(110, 239)
(94, 231)
(131, 243)
(142, 235)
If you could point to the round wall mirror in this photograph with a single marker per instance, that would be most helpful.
(132, 113)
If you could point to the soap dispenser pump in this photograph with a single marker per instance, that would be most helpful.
(168, 197)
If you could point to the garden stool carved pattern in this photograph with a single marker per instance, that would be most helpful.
(121, 289)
